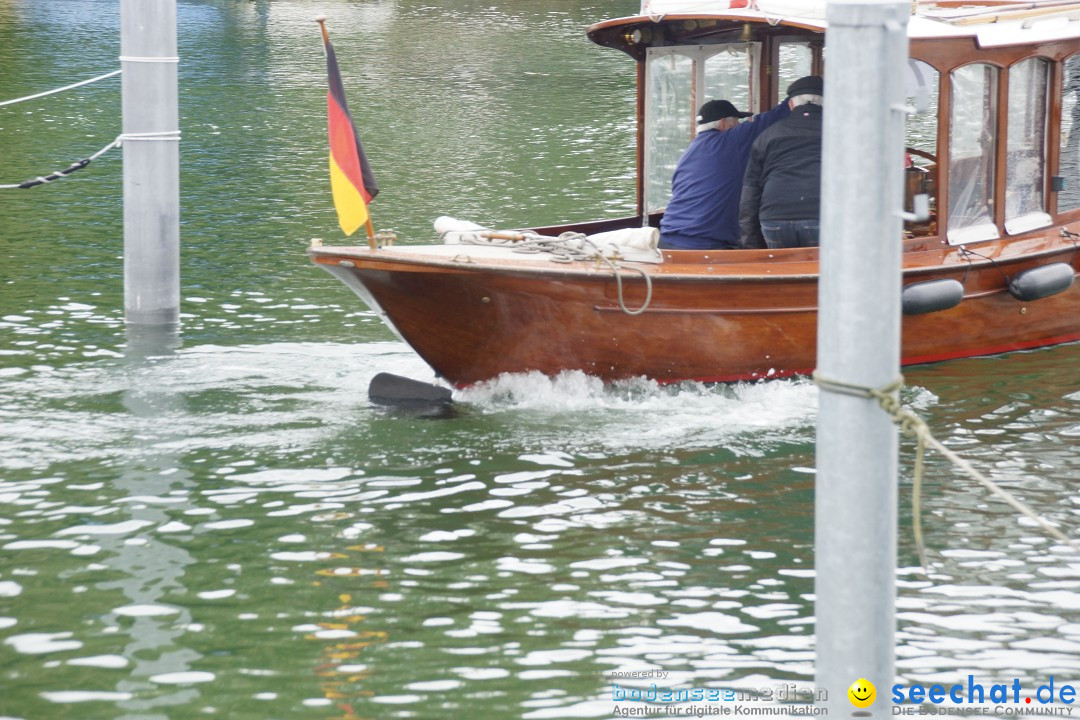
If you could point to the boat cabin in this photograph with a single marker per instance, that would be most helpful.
(993, 133)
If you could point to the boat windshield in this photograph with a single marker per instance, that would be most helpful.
(920, 140)
(678, 80)
(972, 144)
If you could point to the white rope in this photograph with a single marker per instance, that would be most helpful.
(102, 151)
(566, 248)
(165, 135)
(67, 87)
(161, 59)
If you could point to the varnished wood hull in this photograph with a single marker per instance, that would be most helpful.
(728, 315)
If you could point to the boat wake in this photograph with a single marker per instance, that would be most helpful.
(642, 413)
(575, 390)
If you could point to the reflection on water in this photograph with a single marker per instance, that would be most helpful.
(250, 540)
(220, 523)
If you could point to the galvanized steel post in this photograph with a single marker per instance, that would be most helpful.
(859, 344)
(151, 162)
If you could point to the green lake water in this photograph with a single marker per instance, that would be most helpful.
(220, 524)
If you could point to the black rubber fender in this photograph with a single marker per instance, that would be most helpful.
(1040, 282)
(931, 296)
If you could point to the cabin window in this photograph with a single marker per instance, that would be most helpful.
(796, 60)
(678, 80)
(972, 140)
(1025, 165)
(920, 141)
(726, 77)
(669, 121)
(1069, 197)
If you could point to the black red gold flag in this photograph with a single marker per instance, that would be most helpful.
(351, 179)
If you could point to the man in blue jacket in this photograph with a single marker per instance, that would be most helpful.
(703, 213)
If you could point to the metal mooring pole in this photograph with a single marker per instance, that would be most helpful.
(151, 162)
(859, 344)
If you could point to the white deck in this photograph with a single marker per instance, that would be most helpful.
(482, 253)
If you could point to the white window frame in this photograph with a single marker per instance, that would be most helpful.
(1038, 218)
(986, 230)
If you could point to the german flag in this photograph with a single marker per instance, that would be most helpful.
(351, 179)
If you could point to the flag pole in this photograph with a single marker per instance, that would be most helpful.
(368, 227)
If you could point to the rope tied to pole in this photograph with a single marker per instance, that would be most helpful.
(154, 59)
(165, 135)
(173, 135)
(169, 135)
(911, 424)
(61, 174)
(62, 89)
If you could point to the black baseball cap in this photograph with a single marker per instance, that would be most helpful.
(718, 110)
(809, 85)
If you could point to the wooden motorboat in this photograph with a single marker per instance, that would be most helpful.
(988, 269)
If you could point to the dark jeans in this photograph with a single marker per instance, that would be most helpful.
(790, 233)
(681, 242)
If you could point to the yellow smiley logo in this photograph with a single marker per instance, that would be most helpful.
(862, 693)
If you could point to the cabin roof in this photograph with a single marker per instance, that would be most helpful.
(989, 23)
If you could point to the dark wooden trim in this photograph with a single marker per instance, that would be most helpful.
(944, 150)
(817, 56)
(1001, 140)
(1055, 95)
(950, 53)
(639, 185)
(714, 311)
(1050, 130)
(768, 72)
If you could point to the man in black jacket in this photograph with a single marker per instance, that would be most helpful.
(781, 194)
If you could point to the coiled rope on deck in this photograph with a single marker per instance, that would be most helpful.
(567, 247)
(911, 424)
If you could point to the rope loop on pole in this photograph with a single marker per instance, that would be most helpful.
(173, 135)
(857, 390)
(138, 59)
(912, 425)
